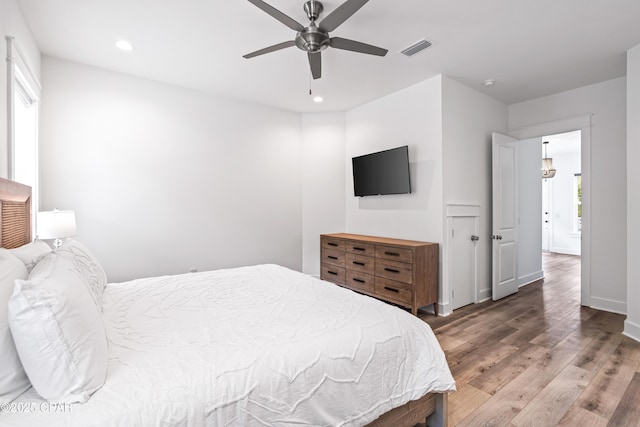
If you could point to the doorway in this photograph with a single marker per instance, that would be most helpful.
(562, 194)
(583, 124)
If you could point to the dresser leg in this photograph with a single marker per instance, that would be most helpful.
(435, 308)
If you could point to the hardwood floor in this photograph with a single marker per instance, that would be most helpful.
(538, 358)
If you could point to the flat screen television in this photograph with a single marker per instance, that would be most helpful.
(384, 172)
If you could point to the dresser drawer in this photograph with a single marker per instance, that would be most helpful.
(394, 291)
(398, 271)
(361, 281)
(332, 273)
(361, 263)
(360, 248)
(333, 257)
(392, 253)
(330, 243)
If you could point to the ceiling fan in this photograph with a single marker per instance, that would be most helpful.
(314, 38)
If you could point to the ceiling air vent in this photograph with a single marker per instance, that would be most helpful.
(418, 46)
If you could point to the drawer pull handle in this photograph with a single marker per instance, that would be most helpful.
(391, 289)
(332, 272)
(358, 280)
(392, 270)
(332, 257)
(392, 253)
(332, 244)
(355, 248)
(359, 263)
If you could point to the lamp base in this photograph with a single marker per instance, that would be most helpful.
(57, 243)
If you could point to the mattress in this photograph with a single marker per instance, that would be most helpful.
(252, 346)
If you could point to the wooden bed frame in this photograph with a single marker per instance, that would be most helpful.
(15, 226)
(15, 214)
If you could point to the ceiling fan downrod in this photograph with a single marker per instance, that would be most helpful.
(313, 9)
(312, 39)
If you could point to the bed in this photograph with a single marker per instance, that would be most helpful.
(258, 345)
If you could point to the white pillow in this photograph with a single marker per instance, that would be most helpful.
(31, 253)
(13, 380)
(58, 332)
(87, 265)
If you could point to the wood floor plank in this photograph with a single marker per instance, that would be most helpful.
(577, 416)
(628, 411)
(606, 389)
(482, 361)
(505, 371)
(448, 342)
(596, 354)
(553, 402)
(503, 406)
(464, 401)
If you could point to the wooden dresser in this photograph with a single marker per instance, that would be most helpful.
(404, 272)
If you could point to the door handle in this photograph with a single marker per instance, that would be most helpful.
(475, 238)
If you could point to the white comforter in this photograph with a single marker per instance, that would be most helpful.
(252, 346)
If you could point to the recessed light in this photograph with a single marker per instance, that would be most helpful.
(318, 99)
(124, 45)
(489, 82)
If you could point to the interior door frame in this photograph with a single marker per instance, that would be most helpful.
(583, 124)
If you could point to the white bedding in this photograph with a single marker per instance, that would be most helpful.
(252, 346)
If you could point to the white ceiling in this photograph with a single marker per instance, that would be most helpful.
(531, 48)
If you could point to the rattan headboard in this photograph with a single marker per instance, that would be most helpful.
(15, 214)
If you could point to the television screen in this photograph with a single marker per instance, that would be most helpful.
(385, 172)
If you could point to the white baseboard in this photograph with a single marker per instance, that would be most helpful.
(612, 306)
(484, 295)
(444, 309)
(631, 330)
(530, 278)
(566, 251)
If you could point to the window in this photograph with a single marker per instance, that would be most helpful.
(23, 107)
(577, 203)
(25, 135)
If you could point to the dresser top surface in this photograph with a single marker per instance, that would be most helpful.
(376, 239)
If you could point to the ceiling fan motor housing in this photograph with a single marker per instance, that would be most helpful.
(312, 39)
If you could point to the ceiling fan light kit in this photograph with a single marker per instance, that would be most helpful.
(314, 38)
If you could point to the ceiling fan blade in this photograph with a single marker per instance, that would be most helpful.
(315, 62)
(341, 14)
(270, 49)
(354, 46)
(286, 20)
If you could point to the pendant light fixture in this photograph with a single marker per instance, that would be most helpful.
(547, 164)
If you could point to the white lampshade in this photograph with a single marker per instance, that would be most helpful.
(56, 224)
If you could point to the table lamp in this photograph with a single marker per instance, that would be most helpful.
(56, 225)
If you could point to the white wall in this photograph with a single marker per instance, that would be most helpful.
(323, 177)
(529, 209)
(164, 179)
(412, 117)
(468, 119)
(564, 240)
(607, 102)
(12, 24)
(632, 324)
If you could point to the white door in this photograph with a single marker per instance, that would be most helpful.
(463, 264)
(546, 215)
(505, 216)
